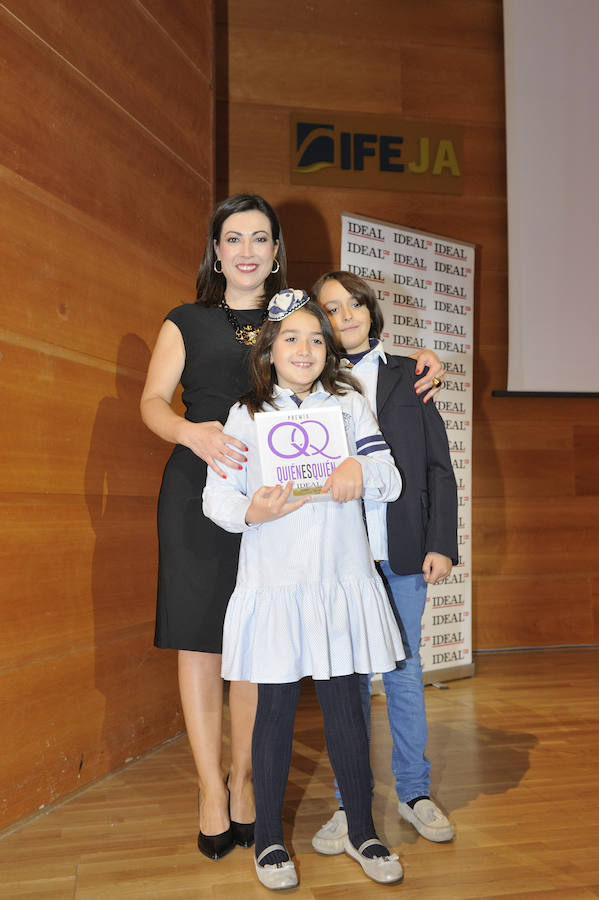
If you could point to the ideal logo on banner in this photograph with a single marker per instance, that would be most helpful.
(425, 285)
(375, 152)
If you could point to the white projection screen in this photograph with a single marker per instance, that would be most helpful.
(552, 123)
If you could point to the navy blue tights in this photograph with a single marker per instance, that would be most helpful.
(347, 745)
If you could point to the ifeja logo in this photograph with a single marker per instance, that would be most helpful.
(315, 146)
(373, 152)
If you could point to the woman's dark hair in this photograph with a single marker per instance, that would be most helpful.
(360, 291)
(210, 286)
(335, 380)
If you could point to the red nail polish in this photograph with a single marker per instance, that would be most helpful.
(418, 371)
(239, 467)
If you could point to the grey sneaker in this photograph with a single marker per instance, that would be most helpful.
(331, 838)
(428, 820)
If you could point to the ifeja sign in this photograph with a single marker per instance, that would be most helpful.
(385, 153)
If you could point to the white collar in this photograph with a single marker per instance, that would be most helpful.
(287, 393)
(375, 352)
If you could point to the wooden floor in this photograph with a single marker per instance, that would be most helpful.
(515, 754)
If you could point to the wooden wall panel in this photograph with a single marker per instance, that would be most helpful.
(403, 22)
(455, 83)
(522, 605)
(586, 448)
(99, 711)
(108, 452)
(70, 582)
(595, 605)
(539, 535)
(106, 186)
(70, 281)
(171, 106)
(190, 25)
(535, 489)
(307, 72)
(77, 144)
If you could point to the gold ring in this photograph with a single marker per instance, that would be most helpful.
(437, 382)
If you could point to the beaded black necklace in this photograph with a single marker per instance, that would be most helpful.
(244, 334)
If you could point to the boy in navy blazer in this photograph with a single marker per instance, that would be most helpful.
(413, 539)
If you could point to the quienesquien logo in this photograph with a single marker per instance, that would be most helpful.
(341, 150)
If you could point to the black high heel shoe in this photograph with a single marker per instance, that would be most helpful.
(215, 846)
(243, 832)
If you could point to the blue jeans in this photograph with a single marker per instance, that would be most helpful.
(404, 689)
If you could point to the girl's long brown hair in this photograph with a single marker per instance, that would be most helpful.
(335, 379)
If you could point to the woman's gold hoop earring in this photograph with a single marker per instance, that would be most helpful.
(218, 271)
(274, 271)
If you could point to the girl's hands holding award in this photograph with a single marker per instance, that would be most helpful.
(270, 503)
(345, 482)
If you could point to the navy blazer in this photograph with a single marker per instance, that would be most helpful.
(425, 516)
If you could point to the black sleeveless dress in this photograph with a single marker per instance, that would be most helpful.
(197, 559)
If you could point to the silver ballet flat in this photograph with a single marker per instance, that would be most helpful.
(384, 869)
(278, 876)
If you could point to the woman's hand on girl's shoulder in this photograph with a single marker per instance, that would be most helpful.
(208, 441)
(270, 503)
(345, 482)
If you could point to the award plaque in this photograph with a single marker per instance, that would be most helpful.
(302, 446)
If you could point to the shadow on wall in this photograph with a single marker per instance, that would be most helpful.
(122, 478)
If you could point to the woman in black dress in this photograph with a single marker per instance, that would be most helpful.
(205, 345)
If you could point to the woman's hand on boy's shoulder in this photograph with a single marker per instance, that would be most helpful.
(270, 503)
(345, 482)
(432, 380)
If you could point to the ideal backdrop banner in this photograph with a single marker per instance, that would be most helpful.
(425, 285)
